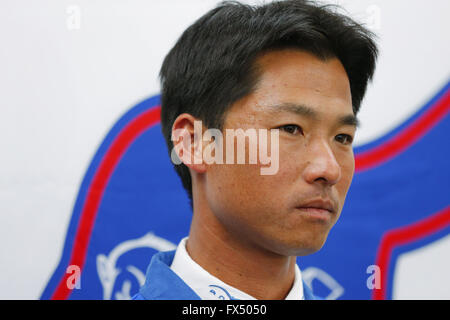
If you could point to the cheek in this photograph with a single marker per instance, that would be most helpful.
(347, 163)
(243, 184)
(227, 187)
(251, 182)
(239, 195)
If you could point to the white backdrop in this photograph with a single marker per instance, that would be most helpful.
(70, 69)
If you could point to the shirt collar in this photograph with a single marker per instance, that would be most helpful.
(208, 287)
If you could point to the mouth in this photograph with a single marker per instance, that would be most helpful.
(320, 210)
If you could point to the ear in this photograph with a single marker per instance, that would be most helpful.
(187, 133)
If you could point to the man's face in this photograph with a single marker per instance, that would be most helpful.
(309, 101)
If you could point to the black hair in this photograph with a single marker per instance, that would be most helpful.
(212, 65)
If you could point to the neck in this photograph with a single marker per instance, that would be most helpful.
(238, 262)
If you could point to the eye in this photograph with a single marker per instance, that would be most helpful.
(344, 139)
(291, 129)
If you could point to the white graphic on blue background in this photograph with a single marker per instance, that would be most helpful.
(107, 265)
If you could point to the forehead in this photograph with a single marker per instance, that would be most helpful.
(297, 77)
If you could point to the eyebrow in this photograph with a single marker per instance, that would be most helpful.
(305, 111)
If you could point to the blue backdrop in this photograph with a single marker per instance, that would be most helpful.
(131, 204)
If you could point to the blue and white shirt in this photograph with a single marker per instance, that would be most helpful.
(162, 283)
(208, 287)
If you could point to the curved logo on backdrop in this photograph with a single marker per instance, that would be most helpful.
(107, 265)
(131, 204)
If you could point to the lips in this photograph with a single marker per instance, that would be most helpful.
(318, 204)
(318, 210)
(324, 205)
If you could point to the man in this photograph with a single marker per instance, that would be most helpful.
(293, 67)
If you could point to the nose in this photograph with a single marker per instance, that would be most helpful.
(322, 166)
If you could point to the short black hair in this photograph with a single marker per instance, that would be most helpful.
(212, 65)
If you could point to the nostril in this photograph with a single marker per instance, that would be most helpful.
(322, 170)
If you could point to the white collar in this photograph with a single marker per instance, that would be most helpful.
(208, 287)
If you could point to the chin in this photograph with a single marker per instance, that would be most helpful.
(301, 247)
